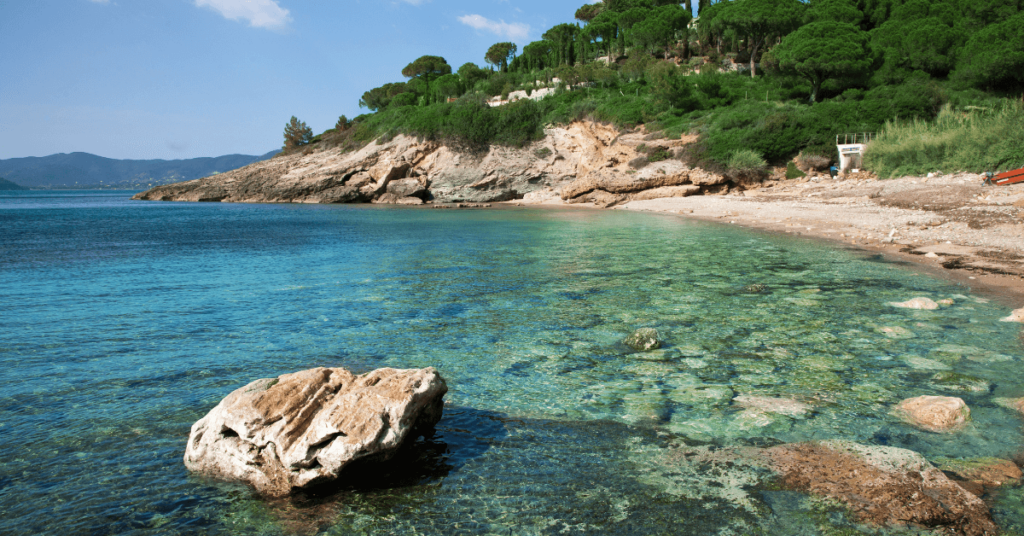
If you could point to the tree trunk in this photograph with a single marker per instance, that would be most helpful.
(753, 54)
(815, 86)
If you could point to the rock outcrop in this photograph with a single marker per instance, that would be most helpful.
(303, 429)
(583, 162)
(934, 413)
(881, 485)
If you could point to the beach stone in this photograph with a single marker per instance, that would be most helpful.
(916, 303)
(303, 429)
(934, 413)
(881, 485)
(644, 339)
(977, 475)
(1017, 315)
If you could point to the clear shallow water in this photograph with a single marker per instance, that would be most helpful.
(124, 322)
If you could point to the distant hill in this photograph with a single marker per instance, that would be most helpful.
(8, 185)
(84, 170)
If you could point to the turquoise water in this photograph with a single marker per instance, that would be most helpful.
(124, 322)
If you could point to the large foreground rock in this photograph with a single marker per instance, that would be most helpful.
(302, 429)
(882, 485)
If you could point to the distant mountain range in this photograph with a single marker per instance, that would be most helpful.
(88, 171)
(8, 185)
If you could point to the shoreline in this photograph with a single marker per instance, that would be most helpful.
(951, 227)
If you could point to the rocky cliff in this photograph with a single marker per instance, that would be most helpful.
(582, 162)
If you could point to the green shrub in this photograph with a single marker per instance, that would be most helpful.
(793, 173)
(518, 123)
(639, 162)
(542, 153)
(746, 160)
(658, 155)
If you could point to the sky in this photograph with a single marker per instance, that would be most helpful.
(170, 79)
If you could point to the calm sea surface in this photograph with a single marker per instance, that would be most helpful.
(123, 322)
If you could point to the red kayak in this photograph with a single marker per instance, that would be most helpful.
(1009, 177)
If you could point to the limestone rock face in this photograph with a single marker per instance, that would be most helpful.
(666, 191)
(407, 188)
(599, 198)
(916, 303)
(882, 485)
(621, 181)
(701, 177)
(644, 339)
(587, 156)
(302, 429)
(934, 413)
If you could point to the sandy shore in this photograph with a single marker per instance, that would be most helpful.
(951, 225)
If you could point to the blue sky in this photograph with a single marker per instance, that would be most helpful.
(173, 79)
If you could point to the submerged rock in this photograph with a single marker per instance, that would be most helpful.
(767, 404)
(960, 382)
(881, 485)
(934, 413)
(302, 429)
(644, 339)
(916, 303)
(976, 475)
(1011, 403)
(1017, 315)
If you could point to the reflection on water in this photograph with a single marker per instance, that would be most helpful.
(124, 322)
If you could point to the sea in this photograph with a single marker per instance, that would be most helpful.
(123, 322)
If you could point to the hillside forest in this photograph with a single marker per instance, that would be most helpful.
(939, 81)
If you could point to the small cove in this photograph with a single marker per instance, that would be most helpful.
(124, 322)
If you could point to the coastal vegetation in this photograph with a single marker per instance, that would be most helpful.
(752, 78)
(978, 138)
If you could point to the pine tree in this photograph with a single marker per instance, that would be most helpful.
(296, 134)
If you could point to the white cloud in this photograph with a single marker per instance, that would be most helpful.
(100, 1)
(502, 28)
(259, 13)
(414, 2)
